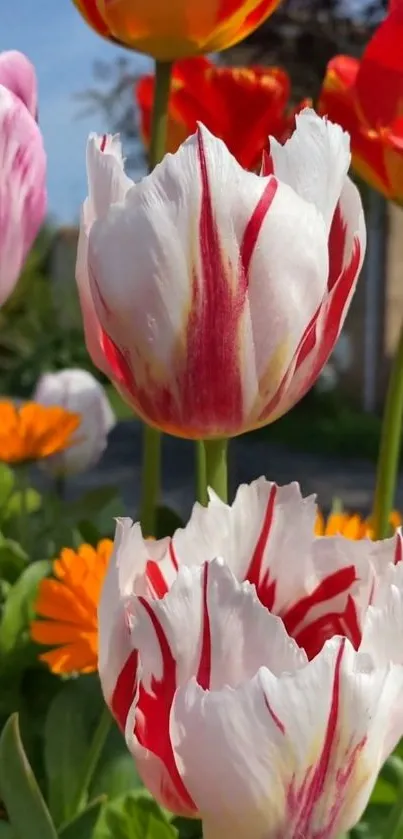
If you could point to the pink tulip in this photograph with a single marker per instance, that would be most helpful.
(18, 75)
(220, 294)
(23, 170)
(260, 691)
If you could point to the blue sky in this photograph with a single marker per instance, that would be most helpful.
(63, 49)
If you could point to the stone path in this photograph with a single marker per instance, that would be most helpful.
(352, 480)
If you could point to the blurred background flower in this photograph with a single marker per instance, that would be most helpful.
(67, 605)
(241, 105)
(22, 166)
(176, 30)
(352, 526)
(77, 391)
(364, 96)
(32, 432)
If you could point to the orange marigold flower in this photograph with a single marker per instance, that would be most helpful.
(351, 526)
(69, 604)
(32, 431)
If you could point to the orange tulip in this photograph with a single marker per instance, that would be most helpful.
(366, 97)
(241, 105)
(178, 28)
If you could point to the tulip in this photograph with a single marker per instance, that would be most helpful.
(365, 96)
(241, 105)
(221, 293)
(260, 690)
(178, 29)
(107, 184)
(78, 391)
(18, 75)
(23, 169)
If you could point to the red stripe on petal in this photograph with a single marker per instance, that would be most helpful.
(311, 638)
(125, 690)
(280, 725)
(211, 389)
(154, 709)
(398, 548)
(204, 672)
(337, 247)
(254, 225)
(156, 579)
(265, 588)
(333, 585)
(316, 786)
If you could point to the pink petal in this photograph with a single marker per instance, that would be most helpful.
(18, 75)
(22, 187)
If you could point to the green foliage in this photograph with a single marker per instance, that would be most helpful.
(134, 816)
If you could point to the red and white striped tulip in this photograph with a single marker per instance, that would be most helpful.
(22, 166)
(256, 670)
(220, 293)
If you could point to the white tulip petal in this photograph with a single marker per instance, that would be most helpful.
(292, 756)
(314, 161)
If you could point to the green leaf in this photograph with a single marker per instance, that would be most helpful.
(6, 831)
(167, 522)
(14, 506)
(26, 809)
(134, 816)
(65, 750)
(116, 772)
(18, 611)
(82, 827)
(13, 559)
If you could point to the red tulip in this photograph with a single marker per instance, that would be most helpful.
(365, 98)
(240, 105)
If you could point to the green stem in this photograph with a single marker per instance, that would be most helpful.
(163, 73)
(394, 824)
(389, 450)
(216, 466)
(92, 759)
(60, 487)
(150, 480)
(151, 465)
(201, 481)
(23, 482)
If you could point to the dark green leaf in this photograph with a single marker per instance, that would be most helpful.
(19, 790)
(82, 827)
(18, 611)
(134, 816)
(13, 559)
(190, 828)
(66, 746)
(116, 772)
(167, 522)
